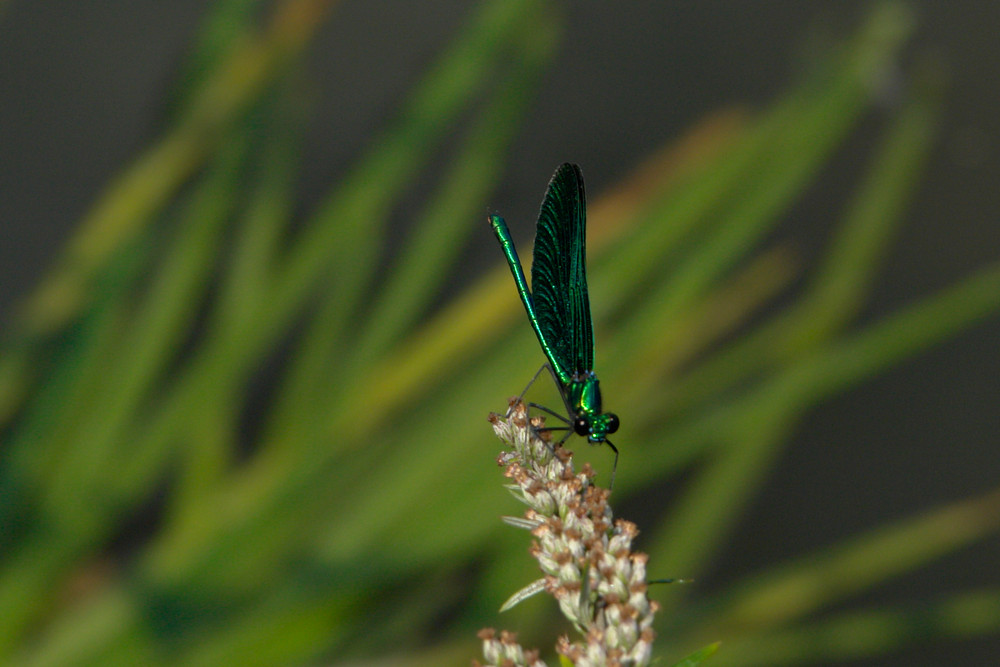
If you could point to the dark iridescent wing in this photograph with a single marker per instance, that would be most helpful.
(559, 274)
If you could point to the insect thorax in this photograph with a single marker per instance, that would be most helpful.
(584, 393)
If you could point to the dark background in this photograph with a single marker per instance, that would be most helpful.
(83, 85)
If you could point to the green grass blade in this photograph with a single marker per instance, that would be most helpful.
(851, 265)
(224, 25)
(746, 187)
(144, 189)
(793, 591)
(449, 217)
(353, 216)
(902, 334)
(870, 633)
(712, 503)
(73, 373)
(699, 656)
(426, 259)
(779, 173)
(276, 131)
(268, 211)
(867, 228)
(834, 369)
(86, 468)
(156, 331)
(846, 272)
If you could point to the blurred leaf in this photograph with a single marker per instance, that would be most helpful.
(698, 656)
(795, 590)
(870, 633)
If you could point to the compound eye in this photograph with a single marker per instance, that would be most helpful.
(582, 426)
(612, 422)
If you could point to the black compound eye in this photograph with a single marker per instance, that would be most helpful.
(612, 423)
(582, 426)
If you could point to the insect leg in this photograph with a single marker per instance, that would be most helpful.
(525, 391)
(614, 466)
(551, 412)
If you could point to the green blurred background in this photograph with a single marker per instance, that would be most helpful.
(294, 470)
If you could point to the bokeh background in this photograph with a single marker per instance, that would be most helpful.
(88, 88)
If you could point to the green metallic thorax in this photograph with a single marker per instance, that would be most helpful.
(584, 396)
